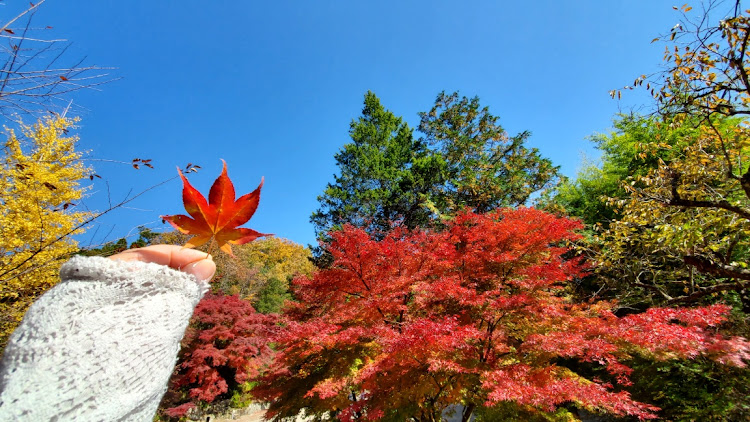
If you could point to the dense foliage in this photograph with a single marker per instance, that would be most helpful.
(465, 160)
(589, 195)
(225, 346)
(475, 315)
(635, 263)
(227, 342)
(681, 230)
(386, 175)
(40, 183)
(488, 313)
(669, 206)
(260, 271)
(487, 168)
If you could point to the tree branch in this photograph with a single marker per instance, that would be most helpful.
(691, 203)
(708, 266)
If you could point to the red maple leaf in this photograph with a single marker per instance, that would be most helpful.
(219, 217)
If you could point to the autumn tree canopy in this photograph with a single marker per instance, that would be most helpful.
(641, 270)
(259, 272)
(668, 207)
(401, 328)
(224, 348)
(589, 196)
(40, 184)
(692, 208)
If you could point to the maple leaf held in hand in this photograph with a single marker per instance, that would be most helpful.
(219, 217)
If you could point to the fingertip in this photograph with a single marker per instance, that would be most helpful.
(189, 255)
(202, 270)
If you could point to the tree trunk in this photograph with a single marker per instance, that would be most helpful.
(467, 412)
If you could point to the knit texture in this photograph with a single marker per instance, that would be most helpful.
(99, 346)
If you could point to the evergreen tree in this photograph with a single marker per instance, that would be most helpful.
(465, 159)
(386, 175)
(486, 167)
(273, 295)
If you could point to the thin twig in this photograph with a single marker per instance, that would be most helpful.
(73, 230)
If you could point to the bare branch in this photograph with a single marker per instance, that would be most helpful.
(32, 70)
(32, 8)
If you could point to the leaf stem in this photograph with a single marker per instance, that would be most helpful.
(210, 247)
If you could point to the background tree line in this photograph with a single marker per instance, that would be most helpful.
(464, 159)
(666, 211)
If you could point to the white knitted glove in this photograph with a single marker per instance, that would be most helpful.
(99, 346)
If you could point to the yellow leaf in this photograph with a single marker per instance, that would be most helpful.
(46, 153)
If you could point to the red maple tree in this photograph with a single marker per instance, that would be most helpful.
(225, 345)
(474, 315)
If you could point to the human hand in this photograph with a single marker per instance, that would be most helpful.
(83, 347)
(190, 261)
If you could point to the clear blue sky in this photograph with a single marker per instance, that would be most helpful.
(271, 87)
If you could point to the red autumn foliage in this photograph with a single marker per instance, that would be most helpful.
(477, 314)
(225, 345)
(219, 217)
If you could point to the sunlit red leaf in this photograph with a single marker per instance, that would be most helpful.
(218, 218)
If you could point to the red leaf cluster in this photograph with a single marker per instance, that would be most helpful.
(225, 345)
(476, 314)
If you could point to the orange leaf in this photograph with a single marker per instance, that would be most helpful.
(219, 217)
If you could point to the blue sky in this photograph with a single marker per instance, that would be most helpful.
(271, 87)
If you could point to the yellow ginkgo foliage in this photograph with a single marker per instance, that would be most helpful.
(40, 185)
